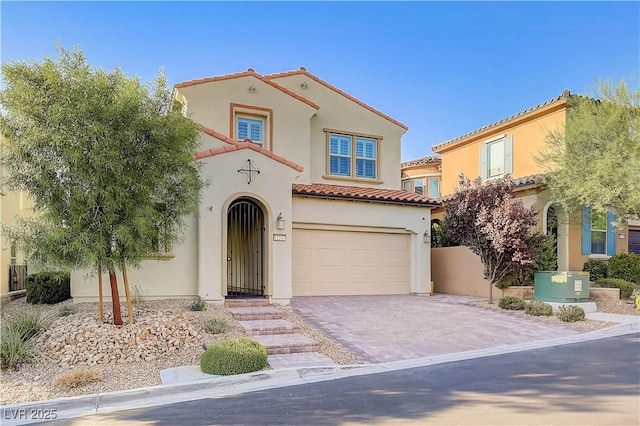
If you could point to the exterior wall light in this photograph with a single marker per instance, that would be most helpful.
(252, 88)
(279, 222)
(426, 238)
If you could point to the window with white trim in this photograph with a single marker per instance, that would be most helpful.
(250, 128)
(418, 186)
(406, 185)
(433, 186)
(496, 158)
(598, 232)
(353, 156)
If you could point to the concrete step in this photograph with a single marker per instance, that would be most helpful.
(287, 343)
(246, 303)
(255, 313)
(267, 327)
(303, 359)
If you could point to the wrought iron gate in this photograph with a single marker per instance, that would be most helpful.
(245, 249)
(17, 277)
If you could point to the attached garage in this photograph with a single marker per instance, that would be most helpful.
(336, 262)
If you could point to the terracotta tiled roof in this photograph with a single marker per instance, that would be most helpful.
(249, 72)
(517, 184)
(359, 193)
(424, 160)
(303, 71)
(565, 95)
(235, 145)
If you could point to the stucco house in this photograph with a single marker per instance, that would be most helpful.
(509, 146)
(303, 198)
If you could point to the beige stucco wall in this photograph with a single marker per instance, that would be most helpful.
(528, 138)
(314, 213)
(12, 206)
(339, 113)
(456, 270)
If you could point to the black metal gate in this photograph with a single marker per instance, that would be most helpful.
(245, 249)
(17, 277)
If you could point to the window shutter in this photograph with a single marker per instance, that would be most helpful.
(611, 234)
(586, 230)
(508, 155)
(484, 173)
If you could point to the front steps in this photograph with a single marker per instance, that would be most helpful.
(285, 347)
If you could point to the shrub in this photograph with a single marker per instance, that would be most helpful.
(626, 288)
(66, 310)
(511, 303)
(236, 356)
(538, 308)
(137, 296)
(217, 326)
(48, 287)
(13, 349)
(75, 379)
(198, 304)
(597, 269)
(625, 266)
(570, 313)
(26, 324)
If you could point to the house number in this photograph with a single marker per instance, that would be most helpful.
(279, 237)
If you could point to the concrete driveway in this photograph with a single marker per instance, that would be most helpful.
(392, 328)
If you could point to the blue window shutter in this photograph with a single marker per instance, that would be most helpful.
(586, 230)
(611, 234)
(484, 172)
(508, 155)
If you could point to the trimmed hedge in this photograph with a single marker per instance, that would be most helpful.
(48, 287)
(625, 266)
(570, 313)
(235, 356)
(597, 269)
(538, 308)
(511, 303)
(626, 287)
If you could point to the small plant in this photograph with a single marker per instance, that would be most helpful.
(625, 266)
(26, 324)
(217, 326)
(236, 356)
(78, 378)
(137, 296)
(570, 313)
(13, 349)
(626, 287)
(538, 308)
(511, 303)
(597, 269)
(66, 310)
(198, 304)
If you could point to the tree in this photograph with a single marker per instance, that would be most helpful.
(486, 218)
(109, 168)
(594, 160)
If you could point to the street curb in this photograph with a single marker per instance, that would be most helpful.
(216, 387)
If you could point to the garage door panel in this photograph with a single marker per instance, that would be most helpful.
(341, 263)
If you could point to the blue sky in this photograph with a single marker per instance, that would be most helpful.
(444, 69)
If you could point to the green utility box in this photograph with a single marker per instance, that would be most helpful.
(567, 286)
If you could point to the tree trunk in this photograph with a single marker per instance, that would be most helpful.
(127, 293)
(115, 298)
(100, 293)
(490, 293)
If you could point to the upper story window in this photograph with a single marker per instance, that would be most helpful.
(353, 156)
(496, 158)
(417, 185)
(598, 233)
(406, 185)
(249, 128)
(433, 184)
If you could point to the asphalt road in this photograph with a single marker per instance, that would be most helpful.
(593, 383)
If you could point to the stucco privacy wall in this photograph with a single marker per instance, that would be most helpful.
(210, 105)
(457, 270)
(271, 188)
(171, 277)
(339, 113)
(314, 213)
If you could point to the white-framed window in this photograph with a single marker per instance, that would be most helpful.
(250, 128)
(496, 158)
(353, 156)
(418, 186)
(406, 185)
(598, 233)
(433, 186)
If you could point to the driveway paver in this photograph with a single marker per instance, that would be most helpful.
(392, 328)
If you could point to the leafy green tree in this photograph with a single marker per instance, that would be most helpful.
(594, 160)
(485, 217)
(108, 166)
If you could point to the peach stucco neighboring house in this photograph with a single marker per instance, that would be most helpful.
(509, 146)
(303, 197)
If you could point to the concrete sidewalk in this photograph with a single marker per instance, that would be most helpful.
(200, 388)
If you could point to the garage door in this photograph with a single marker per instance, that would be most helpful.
(634, 241)
(349, 263)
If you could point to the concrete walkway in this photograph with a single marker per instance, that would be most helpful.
(391, 328)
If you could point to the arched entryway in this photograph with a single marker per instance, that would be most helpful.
(245, 248)
(552, 229)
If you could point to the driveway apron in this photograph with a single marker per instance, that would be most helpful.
(392, 328)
